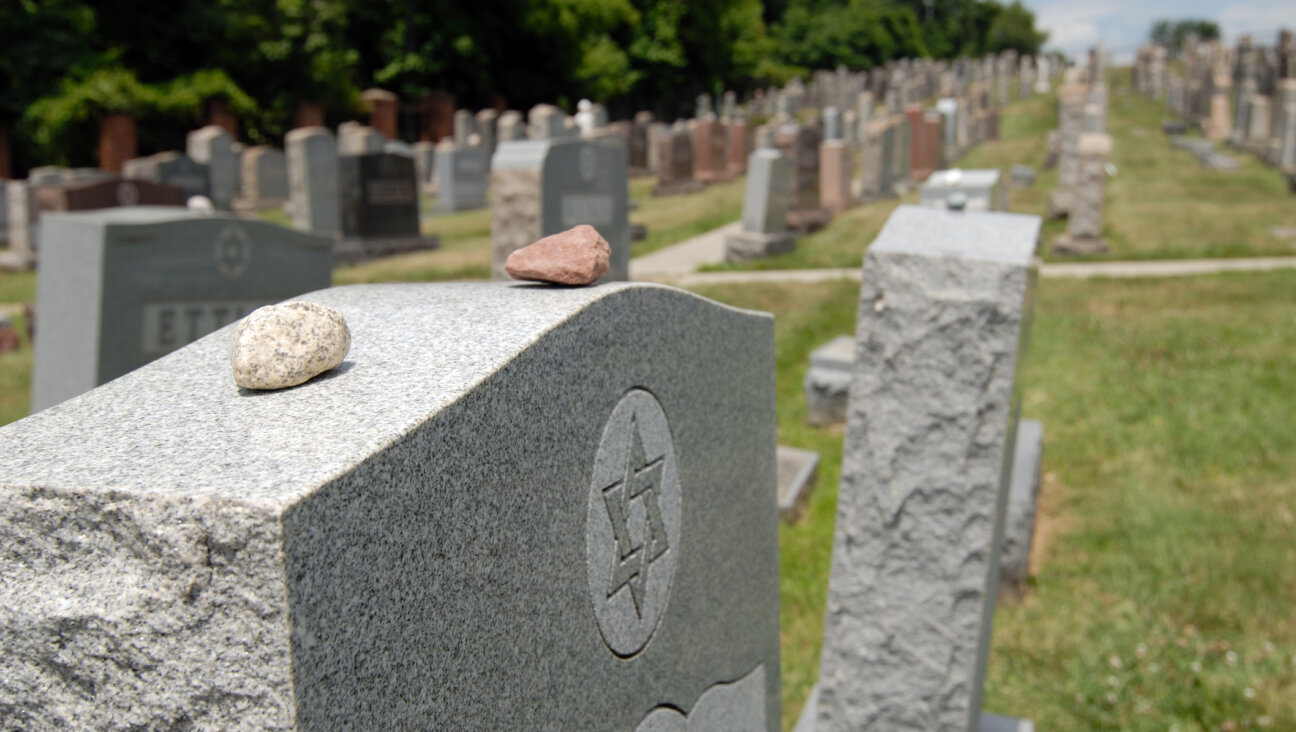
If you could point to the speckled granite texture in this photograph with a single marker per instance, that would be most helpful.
(400, 543)
(944, 303)
(284, 345)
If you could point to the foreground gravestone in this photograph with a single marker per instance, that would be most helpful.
(379, 207)
(477, 520)
(979, 190)
(121, 287)
(543, 187)
(764, 231)
(944, 308)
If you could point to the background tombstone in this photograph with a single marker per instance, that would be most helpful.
(465, 126)
(510, 127)
(313, 181)
(543, 187)
(265, 178)
(212, 146)
(90, 195)
(800, 144)
(354, 138)
(836, 158)
(1084, 225)
(380, 207)
(424, 163)
(461, 177)
(764, 231)
(674, 147)
(488, 131)
(120, 287)
(546, 122)
(20, 216)
(944, 305)
(981, 190)
(346, 573)
(172, 169)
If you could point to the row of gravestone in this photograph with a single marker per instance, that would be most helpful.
(523, 507)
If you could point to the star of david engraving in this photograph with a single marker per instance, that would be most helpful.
(233, 253)
(642, 482)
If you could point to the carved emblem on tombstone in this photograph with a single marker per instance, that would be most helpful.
(233, 252)
(632, 530)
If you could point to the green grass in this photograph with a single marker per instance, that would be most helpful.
(15, 373)
(1167, 534)
(464, 254)
(672, 219)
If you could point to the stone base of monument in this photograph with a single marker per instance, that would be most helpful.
(356, 249)
(827, 382)
(678, 188)
(808, 221)
(988, 722)
(1073, 245)
(744, 246)
(797, 472)
(1023, 499)
(1059, 203)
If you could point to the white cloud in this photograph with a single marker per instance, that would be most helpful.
(1075, 26)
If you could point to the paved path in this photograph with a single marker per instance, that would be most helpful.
(684, 258)
(1167, 268)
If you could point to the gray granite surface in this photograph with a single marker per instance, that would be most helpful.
(827, 381)
(944, 303)
(404, 542)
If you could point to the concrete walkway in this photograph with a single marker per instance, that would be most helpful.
(1079, 270)
(684, 258)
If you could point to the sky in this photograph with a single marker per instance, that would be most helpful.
(1120, 26)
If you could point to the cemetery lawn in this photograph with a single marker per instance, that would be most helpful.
(1165, 557)
(672, 219)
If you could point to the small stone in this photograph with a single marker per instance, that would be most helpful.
(578, 256)
(284, 345)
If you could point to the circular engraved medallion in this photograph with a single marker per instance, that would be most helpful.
(233, 252)
(127, 194)
(632, 527)
(587, 162)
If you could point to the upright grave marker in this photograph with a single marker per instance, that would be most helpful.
(380, 207)
(546, 508)
(264, 176)
(461, 177)
(120, 287)
(543, 187)
(944, 308)
(313, 181)
(764, 231)
(212, 146)
(979, 190)
(172, 169)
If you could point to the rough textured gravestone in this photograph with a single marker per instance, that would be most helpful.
(1071, 101)
(543, 187)
(827, 381)
(512, 507)
(1023, 499)
(20, 217)
(120, 287)
(380, 207)
(981, 190)
(212, 146)
(107, 194)
(264, 176)
(1084, 224)
(764, 231)
(944, 308)
(313, 181)
(170, 168)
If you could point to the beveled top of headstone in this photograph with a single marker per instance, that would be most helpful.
(931, 232)
(275, 447)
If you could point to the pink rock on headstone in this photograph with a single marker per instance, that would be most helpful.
(578, 256)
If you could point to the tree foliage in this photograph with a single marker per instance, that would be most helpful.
(68, 62)
(1174, 33)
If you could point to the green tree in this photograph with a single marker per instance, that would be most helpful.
(1014, 28)
(1173, 34)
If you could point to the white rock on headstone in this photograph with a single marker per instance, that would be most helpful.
(284, 345)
